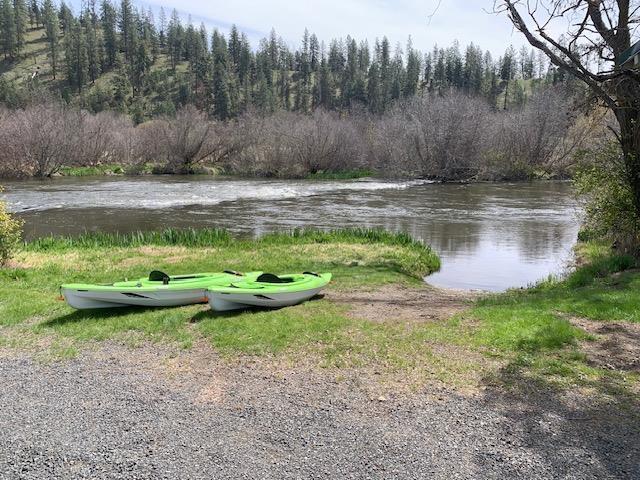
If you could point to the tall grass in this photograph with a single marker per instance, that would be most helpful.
(192, 237)
(410, 256)
(184, 237)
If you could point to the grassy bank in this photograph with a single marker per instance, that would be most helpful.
(94, 171)
(525, 337)
(29, 311)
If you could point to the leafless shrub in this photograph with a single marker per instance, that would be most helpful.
(38, 140)
(295, 145)
(191, 139)
(529, 139)
(439, 136)
(448, 137)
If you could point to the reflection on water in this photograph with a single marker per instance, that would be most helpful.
(489, 236)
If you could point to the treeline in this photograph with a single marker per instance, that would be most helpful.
(157, 66)
(449, 137)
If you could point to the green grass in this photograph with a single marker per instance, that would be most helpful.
(525, 334)
(531, 329)
(358, 258)
(92, 171)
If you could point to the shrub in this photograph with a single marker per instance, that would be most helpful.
(607, 199)
(10, 233)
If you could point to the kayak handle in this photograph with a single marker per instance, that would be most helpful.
(311, 273)
(233, 272)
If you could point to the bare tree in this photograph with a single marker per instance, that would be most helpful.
(593, 50)
(191, 138)
(288, 144)
(40, 138)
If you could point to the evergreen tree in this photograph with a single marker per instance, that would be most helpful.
(473, 70)
(109, 19)
(162, 33)
(8, 30)
(121, 87)
(35, 13)
(374, 89)
(384, 61)
(52, 31)
(20, 14)
(507, 71)
(324, 90)
(76, 58)
(397, 74)
(412, 76)
(127, 24)
(95, 49)
(65, 15)
(222, 107)
(175, 39)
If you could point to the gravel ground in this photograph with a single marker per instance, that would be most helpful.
(112, 413)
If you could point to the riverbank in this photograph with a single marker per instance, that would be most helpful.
(377, 314)
(530, 383)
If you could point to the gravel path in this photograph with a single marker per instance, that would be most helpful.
(113, 414)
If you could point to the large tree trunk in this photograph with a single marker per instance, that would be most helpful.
(628, 117)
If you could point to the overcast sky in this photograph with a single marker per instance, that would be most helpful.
(464, 20)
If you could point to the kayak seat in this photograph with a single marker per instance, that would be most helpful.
(271, 278)
(158, 276)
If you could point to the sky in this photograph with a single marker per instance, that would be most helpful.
(464, 20)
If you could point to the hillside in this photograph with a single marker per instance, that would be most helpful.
(146, 68)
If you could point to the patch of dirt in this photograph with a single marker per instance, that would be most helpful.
(393, 302)
(617, 345)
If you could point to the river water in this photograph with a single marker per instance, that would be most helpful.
(490, 236)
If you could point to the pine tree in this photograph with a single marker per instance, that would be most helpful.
(20, 14)
(175, 39)
(222, 107)
(397, 74)
(412, 76)
(140, 65)
(108, 20)
(374, 89)
(8, 30)
(384, 61)
(65, 15)
(127, 26)
(76, 58)
(507, 71)
(95, 50)
(162, 34)
(52, 31)
(121, 87)
(35, 13)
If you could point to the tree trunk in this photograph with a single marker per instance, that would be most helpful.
(628, 117)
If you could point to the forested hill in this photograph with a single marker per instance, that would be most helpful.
(120, 57)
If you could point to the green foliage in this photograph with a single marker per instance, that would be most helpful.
(604, 188)
(10, 233)
(92, 171)
(188, 237)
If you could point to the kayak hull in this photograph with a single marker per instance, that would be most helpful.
(227, 301)
(170, 292)
(83, 299)
(268, 291)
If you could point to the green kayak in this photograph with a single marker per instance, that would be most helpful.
(157, 290)
(267, 290)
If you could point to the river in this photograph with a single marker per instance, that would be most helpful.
(490, 236)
